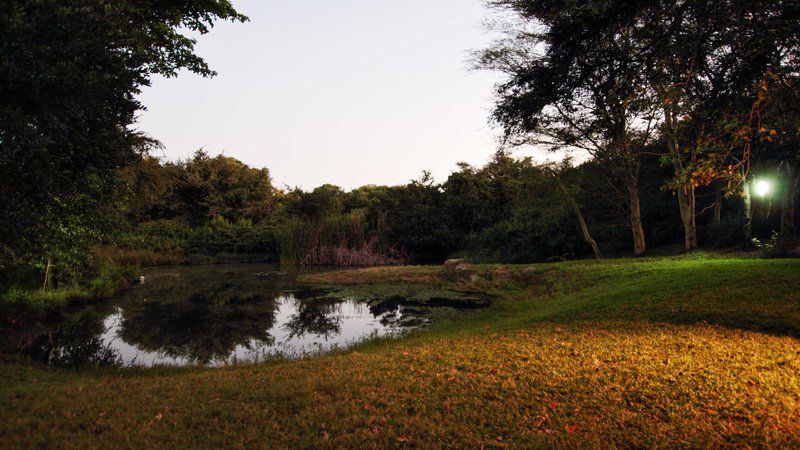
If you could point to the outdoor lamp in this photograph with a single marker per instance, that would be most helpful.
(763, 187)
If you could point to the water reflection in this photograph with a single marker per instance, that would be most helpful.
(210, 316)
(199, 316)
(322, 318)
(75, 341)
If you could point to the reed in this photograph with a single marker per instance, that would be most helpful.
(341, 240)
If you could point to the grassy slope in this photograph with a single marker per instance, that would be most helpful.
(698, 352)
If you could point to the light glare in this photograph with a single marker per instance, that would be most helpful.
(763, 188)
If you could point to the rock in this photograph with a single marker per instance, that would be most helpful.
(270, 274)
(462, 267)
(451, 264)
(456, 267)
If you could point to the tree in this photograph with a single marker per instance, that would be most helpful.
(705, 57)
(225, 187)
(782, 122)
(574, 83)
(705, 66)
(479, 197)
(323, 201)
(69, 75)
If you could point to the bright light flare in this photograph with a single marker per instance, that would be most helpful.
(763, 188)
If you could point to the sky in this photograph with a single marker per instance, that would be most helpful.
(349, 92)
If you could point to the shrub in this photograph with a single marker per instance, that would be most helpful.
(770, 248)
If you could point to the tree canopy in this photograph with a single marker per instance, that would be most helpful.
(69, 76)
(614, 77)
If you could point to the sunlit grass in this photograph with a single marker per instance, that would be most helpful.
(662, 352)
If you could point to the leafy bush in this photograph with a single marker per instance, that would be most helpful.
(770, 248)
(172, 242)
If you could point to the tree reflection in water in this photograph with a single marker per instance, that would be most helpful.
(202, 319)
(207, 316)
(74, 339)
(320, 317)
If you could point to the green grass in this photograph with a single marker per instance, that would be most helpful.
(692, 351)
(50, 298)
(110, 280)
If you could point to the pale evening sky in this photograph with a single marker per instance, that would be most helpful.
(349, 92)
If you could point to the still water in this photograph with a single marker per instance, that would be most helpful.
(212, 316)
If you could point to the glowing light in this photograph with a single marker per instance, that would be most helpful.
(763, 188)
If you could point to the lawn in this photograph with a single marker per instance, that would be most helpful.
(690, 351)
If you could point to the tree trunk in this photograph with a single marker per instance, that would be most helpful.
(587, 236)
(717, 204)
(632, 184)
(788, 201)
(687, 202)
(748, 212)
(47, 275)
(686, 193)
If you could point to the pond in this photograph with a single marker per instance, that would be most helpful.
(214, 316)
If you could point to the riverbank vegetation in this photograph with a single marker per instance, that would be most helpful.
(695, 351)
(685, 125)
(510, 210)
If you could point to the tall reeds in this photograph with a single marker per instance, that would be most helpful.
(340, 240)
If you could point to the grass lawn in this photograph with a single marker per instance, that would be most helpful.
(691, 351)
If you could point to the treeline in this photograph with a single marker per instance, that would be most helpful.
(509, 210)
(217, 209)
(688, 112)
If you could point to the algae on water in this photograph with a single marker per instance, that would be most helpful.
(406, 294)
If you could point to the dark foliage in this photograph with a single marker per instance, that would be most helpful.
(69, 74)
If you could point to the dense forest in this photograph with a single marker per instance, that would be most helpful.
(684, 113)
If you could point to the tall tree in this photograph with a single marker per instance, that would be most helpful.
(704, 60)
(69, 75)
(706, 65)
(574, 82)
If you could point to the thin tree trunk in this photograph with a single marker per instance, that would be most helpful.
(717, 204)
(687, 203)
(47, 275)
(686, 193)
(748, 212)
(632, 184)
(587, 236)
(788, 201)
